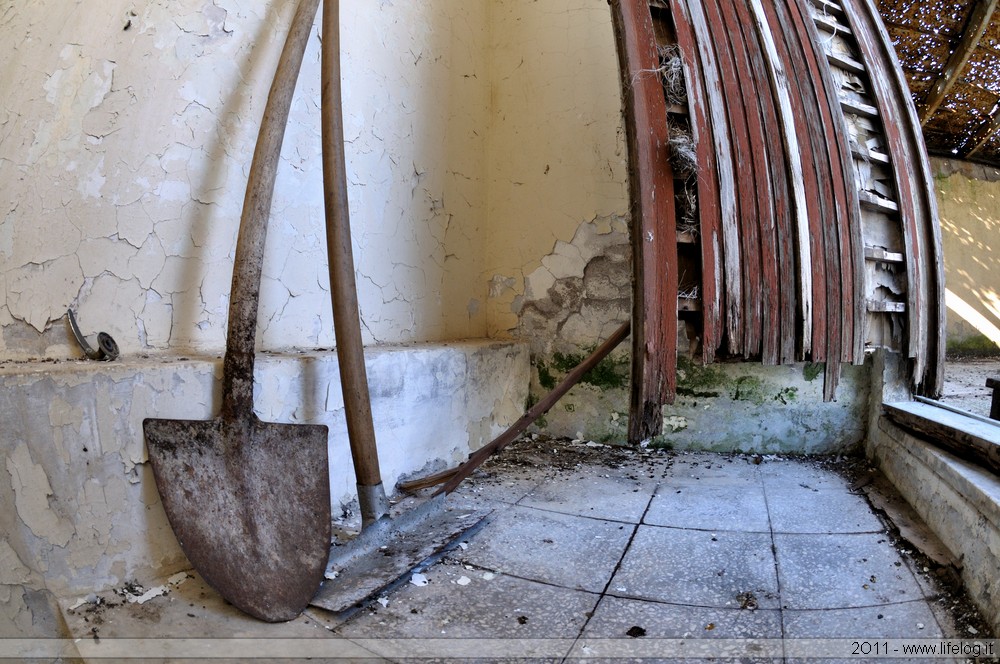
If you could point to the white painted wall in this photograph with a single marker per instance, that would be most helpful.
(123, 161)
(480, 134)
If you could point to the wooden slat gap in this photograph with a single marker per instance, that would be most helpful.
(881, 255)
(858, 108)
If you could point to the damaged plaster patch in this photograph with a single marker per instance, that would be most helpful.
(581, 292)
(675, 423)
(74, 90)
(31, 498)
(578, 296)
(99, 505)
(38, 294)
(13, 572)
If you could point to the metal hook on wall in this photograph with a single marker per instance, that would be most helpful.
(107, 349)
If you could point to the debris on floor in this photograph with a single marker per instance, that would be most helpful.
(588, 546)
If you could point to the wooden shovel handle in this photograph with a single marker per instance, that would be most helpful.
(237, 378)
(343, 289)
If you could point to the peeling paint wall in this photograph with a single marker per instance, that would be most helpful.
(556, 144)
(573, 301)
(969, 202)
(125, 140)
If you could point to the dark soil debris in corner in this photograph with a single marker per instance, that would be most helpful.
(561, 456)
(923, 555)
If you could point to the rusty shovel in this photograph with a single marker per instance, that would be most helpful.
(249, 500)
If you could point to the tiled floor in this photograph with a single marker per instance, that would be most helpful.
(600, 553)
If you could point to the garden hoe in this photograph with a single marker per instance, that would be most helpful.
(249, 500)
(389, 546)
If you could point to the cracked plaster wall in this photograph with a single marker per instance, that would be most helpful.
(126, 132)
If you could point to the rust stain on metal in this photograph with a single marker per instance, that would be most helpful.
(248, 500)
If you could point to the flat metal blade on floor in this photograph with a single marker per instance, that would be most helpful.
(385, 553)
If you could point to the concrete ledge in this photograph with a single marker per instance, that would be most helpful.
(85, 511)
(958, 500)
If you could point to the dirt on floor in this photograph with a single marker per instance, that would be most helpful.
(965, 383)
(926, 555)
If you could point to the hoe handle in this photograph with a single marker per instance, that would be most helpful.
(343, 289)
(237, 377)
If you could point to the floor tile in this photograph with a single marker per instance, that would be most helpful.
(698, 568)
(192, 623)
(564, 550)
(808, 474)
(505, 608)
(485, 488)
(616, 498)
(907, 620)
(615, 616)
(628, 628)
(450, 618)
(795, 509)
(841, 571)
(713, 469)
(710, 507)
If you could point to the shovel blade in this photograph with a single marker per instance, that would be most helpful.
(249, 502)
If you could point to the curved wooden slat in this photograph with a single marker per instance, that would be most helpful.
(777, 234)
(732, 311)
(654, 223)
(915, 189)
(754, 184)
(815, 177)
(709, 211)
(798, 235)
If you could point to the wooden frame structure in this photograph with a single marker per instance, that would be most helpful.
(817, 232)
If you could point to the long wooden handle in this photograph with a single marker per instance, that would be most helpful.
(237, 378)
(343, 289)
(454, 477)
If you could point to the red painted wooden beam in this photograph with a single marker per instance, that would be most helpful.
(654, 223)
(709, 204)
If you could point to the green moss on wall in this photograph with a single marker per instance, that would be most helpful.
(694, 380)
(749, 388)
(787, 395)
(611, 373)
(812, 370)
(545, 377)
